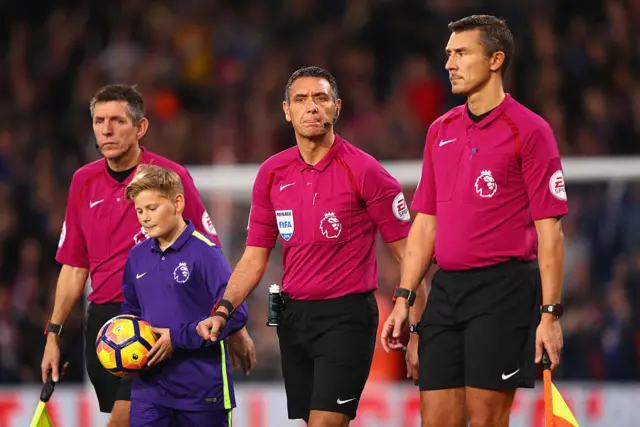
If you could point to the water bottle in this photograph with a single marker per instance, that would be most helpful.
(275, 305)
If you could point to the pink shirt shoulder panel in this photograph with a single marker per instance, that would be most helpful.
(380, 192)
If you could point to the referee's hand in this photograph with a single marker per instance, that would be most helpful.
(209, 328)
(549, 337)
(392, 329)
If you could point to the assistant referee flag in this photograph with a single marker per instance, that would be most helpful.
(556, 411)
(41, 418)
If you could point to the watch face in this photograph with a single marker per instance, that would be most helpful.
(555, 309)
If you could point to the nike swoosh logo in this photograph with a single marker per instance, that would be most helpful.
(447, 141)
(92, 204)
(506, 377)
(282, 187)
(140, 275)
(342, 402)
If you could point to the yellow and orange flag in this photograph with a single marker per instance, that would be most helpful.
(41, 418)
(556, 410)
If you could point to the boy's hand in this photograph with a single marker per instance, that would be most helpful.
(242, 350)
(163, 348)
(412, 360)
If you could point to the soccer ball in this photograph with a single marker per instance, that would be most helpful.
(123, 345)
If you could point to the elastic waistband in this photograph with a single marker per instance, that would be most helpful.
(510, 265)
(110, 307)
(337, 300)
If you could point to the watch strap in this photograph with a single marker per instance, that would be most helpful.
(223, 303)
(404, 293)
(53, 328)
(555, 309)
(220, 314)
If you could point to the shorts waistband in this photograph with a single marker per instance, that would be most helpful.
(510, 265)
(107, 308)
(315, 302)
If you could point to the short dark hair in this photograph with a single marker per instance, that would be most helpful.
(494, 31)
(121, 92)
(311, 71)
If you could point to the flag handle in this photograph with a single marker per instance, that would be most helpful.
(50, 385)
(546, 378)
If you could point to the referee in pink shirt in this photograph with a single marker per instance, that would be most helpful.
(327, 200)
(489, 203)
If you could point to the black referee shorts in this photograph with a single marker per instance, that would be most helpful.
(326, 350)
(479, 327)
(108, 387)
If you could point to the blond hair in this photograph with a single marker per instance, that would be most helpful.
(152, 177)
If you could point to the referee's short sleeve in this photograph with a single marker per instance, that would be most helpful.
(262, 230)
(424, 199)
(543, 175)
(72, 246)
(385, 202)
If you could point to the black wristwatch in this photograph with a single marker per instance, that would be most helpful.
(223, 303)
(555, 309)
(413, 328)
(404, 293)
(53, 328)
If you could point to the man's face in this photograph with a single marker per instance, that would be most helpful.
(115, 132)
(468, 66)
(158, 215)
(311, 104)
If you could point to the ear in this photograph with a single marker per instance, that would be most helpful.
(496, 60)
(179, 203)
(143, 126)
(338, 107)
(285, 108)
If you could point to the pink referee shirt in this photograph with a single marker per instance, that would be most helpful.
(487, 182)
(101, 227)
(327, 216)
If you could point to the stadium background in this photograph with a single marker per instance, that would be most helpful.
(213, 75)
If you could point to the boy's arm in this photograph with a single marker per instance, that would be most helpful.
(130, 305)
(214, 271)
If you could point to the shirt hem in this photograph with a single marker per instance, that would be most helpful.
(173, 403)
(334, 295)
(71, 263)
(423, 210)
(562, 211)
(261, 243)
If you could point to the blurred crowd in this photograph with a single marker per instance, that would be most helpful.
(213, 75)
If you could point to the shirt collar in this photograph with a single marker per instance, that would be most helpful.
(180, 242)
(324, 162)
(497, 112)
(146, 157)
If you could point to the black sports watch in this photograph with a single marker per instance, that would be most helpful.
(413, 328)
(555, 309)
(53, 328)
(404, 293)
(223, 303)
